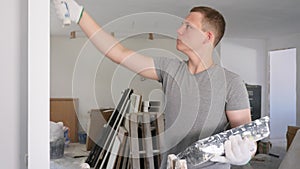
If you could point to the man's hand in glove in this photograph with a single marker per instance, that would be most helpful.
(238, 151)
(68, 9)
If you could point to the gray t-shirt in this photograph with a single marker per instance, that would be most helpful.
(196, 104)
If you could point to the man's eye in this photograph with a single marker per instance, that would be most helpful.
(188, 26)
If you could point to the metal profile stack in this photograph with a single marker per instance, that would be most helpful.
(99, 155)
(204, 149)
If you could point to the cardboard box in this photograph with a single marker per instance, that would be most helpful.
(98, 118)
(64, 110)
(290, 134)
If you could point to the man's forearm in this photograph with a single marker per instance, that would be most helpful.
(111, 48)
(104, 42)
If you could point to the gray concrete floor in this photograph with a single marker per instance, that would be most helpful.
(260, 161)
(74, 155)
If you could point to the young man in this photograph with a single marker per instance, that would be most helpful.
(201, 96)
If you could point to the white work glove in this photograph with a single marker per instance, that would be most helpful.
(85, 166)
(238, 151)
(68, 9)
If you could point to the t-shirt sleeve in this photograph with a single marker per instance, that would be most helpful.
(237, 95)
(161, 64)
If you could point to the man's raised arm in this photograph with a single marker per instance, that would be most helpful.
(103, 41)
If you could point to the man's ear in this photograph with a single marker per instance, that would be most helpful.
(209, 37)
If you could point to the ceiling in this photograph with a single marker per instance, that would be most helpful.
(245, 19)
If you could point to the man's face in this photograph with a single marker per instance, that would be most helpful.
(190, 36)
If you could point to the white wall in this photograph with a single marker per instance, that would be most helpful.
(247, 57)
(13, 87)
(79, 70)
(289, 42)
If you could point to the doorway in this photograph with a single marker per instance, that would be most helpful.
(282, 91)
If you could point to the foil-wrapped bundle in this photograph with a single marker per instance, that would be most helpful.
(204, 149)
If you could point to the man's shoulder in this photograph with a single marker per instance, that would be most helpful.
(229, 74)
(170, 61)
(230, 77)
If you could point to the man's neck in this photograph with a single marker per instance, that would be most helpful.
(197, 63)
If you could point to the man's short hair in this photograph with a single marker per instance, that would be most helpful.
(212, 19)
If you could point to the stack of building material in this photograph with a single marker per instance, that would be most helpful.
(131, 138)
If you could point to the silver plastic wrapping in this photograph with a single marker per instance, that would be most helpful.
(204, 149)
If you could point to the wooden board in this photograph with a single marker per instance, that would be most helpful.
(64, 110)
(134, 143)
(160, 128)
(147, 141)
(291, 159)
(290, 134)
(142, 141)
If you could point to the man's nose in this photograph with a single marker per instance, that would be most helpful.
(180, 30)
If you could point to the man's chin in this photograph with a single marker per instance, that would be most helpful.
(178, 44)
(178, 48)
